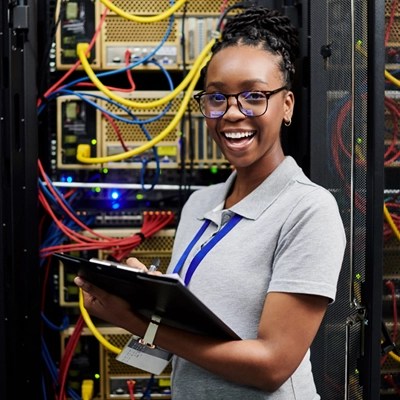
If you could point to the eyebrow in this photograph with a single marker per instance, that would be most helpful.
(248, 82)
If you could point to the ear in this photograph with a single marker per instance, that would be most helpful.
(288, 106)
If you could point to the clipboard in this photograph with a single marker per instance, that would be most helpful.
(164, 296)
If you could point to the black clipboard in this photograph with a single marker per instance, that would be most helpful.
(165, 296)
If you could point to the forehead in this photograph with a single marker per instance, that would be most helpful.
(239, 64)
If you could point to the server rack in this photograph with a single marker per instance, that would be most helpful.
(19, 268)
(343, 42)
(346, 156)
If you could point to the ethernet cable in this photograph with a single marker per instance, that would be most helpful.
(93, 328)
(134, 120)
(388, 75)
(149, 19)
(82, 49)
(87, 389)
(83, 150)
(53, 89)
(396, 231)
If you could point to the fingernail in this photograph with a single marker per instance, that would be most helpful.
(78, 281)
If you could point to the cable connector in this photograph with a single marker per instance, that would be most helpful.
(216, 35)
(131, 388)
(87, 389)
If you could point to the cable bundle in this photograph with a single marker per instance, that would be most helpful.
(85, 238)
(69, 231)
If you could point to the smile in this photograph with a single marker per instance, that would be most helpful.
(238, 135)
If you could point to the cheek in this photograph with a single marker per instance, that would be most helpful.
(212, 128)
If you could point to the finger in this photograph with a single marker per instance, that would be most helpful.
(79, 282)
(135, 263)
(87, 287)
(93, 297)
(155, 273)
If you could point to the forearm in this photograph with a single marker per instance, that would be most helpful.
(245, 362)
(264, 363)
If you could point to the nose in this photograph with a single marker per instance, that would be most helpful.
(233, 112)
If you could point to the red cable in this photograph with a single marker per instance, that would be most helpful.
(123, 246)
(67, 357)
(131, 388)
(78, 62)
(336, 141)
(44, 284)
(128, 73)
(390, 285)
(389, 379)
(390, 23)
(393, 108)
(116, 130)
(64, 207)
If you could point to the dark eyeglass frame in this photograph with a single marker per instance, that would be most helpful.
(266, 93)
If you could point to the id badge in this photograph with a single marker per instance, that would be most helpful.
(148, 358)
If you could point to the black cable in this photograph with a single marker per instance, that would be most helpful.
(387, 345)
(43, 67)
(242, 5)
(183, 175)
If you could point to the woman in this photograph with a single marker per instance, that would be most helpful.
(274, 240)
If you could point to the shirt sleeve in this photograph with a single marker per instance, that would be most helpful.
(311, 247)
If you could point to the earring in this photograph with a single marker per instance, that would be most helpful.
(288, 123)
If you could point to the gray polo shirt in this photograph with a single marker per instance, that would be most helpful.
(290, 239)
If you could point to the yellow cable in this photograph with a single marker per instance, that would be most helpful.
(87, 389)
(396, 231)
(93, 329)
(391, 78)
(390, 221)
(388, 75)
(394, 356)
(83, 150)
(82, 50)
(136, 18)
(386, 212)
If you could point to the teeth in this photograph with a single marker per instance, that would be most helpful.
(238, 135)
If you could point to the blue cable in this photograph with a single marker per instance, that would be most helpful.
(50, 196)
(60, 328)
(51, 366)
(135, 120)
(134, 64)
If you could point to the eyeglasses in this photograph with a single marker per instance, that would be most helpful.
(250, 103)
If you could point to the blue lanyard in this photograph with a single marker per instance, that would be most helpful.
(205, 249)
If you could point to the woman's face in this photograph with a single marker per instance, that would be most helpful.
(249, 142)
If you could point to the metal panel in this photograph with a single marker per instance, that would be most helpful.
(346, 111)
(19, 267)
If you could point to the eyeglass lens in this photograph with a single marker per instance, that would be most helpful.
(251, 104)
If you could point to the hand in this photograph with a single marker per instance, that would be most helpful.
(135, 263)
(109, 308)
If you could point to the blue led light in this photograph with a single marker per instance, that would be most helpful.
(115, 206)
(114, 195)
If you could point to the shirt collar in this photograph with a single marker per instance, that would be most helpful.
(254, 204)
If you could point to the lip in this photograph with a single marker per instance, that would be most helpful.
(237, 143)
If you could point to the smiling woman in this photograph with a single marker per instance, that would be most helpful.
(266, 218)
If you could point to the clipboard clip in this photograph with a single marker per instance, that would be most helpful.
(151, 331)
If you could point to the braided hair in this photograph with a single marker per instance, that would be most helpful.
(264, 28)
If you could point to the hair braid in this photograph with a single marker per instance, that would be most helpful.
(259, 26)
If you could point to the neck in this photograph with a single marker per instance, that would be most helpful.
(246, 182)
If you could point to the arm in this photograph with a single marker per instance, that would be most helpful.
(288, 325)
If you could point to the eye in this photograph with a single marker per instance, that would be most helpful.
(252, 96)
(216, 97)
